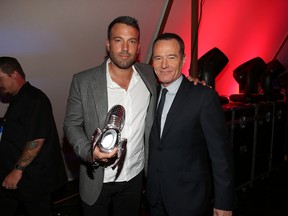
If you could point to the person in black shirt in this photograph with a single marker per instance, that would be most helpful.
(31, 163)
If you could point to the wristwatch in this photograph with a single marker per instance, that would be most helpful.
(19, 167)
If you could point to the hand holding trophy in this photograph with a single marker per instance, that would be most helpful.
(110, 137)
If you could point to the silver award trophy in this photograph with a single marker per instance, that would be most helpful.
(110, 136)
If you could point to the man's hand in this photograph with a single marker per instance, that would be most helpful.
(12, 179)
(102, 156)
(218, 212)
(195, 80)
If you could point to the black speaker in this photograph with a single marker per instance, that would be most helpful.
(263, 139)
(279, 133)
(240, 120)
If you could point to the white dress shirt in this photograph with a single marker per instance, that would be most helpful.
(135, 102)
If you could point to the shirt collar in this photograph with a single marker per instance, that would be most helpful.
(112, 84)
(174, 86)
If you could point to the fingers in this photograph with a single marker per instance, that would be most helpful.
(10, 187)
(104, 156)
(195, 80)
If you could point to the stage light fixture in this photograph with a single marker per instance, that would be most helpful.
(248, 76)
(283, 81)
(269, 80)
(210, 65)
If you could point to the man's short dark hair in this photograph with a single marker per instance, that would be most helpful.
(9, 64)
(130, 21)
(169, 36)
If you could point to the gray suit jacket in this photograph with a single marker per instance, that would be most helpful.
(87, 107)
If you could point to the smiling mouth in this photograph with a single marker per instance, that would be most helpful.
(164, 72)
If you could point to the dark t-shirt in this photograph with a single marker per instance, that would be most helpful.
(29, 117)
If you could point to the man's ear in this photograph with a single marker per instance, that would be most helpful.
(183, 60)
(138, 49)
(14, 74)
(108, 45)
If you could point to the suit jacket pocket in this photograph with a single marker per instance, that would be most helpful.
(195, 176)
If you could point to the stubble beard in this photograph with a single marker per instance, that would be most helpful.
(122, 64)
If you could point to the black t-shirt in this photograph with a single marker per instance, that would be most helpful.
(29, 117)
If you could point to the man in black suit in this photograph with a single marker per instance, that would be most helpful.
(187, 142)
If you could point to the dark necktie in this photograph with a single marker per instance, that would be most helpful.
(160, 109)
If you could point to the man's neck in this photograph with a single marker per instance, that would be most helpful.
(19, 85)
(120, 76)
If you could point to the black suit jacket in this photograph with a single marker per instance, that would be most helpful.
(179, 164)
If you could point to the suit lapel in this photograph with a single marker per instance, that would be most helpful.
(145, 77)
(98, 86)
(180, 101)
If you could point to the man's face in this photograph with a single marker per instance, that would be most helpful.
(167, 61)
(123, 45)
(7, 83)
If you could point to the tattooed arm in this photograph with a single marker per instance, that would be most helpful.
(30, 151)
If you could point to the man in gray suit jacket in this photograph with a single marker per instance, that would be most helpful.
(187, 139)
(119, 80)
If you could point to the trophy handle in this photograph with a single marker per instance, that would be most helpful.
(122, 150)
(95, 137)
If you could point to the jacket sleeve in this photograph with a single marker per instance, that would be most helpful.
(74, 123)
(220, 150)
